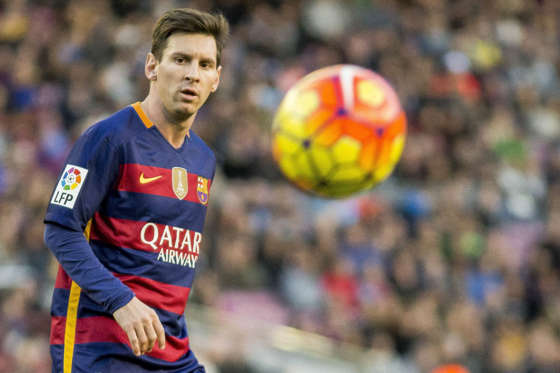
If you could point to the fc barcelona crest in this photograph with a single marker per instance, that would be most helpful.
(180, 182)
(202, 190)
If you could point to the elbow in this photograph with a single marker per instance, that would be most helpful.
(49, 235)
(55, 236)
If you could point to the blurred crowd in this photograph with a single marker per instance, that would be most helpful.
(454, 259)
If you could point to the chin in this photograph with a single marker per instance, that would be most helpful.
(185, 111)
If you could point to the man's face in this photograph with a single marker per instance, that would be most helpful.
(186, 74)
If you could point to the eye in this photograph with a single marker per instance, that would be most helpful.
(206, 64)
(180, 60)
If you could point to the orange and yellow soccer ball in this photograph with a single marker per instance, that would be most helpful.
(338, 131)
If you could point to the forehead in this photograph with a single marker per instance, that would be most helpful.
(201, 45)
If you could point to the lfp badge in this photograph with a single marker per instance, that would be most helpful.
(202, 190)
(71, 179)
(69, 186)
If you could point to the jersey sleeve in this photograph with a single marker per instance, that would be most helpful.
(90, 171)
(74, 254)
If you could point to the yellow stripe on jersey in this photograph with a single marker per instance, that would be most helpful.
(72, 317)
(147, 122)
(70, 329)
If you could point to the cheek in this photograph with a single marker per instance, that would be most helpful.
(167, 85)
(206, 94)
(164, 91)
(213, 81)
(168, 75)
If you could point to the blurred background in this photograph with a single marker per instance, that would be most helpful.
(454, 260)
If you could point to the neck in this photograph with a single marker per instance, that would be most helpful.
(172, 130)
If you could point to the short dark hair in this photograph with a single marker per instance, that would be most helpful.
(190, 21)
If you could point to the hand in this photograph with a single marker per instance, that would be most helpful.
(141, 325)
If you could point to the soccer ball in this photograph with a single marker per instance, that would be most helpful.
(338, 131)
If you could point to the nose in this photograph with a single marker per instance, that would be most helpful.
(192, 71)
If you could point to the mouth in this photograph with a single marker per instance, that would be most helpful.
(188, 93)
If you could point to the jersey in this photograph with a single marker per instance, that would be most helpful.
(141, 204)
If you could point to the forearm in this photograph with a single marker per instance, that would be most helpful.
(76, 257)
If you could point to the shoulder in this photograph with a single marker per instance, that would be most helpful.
(205, 158)
(115, 129)
(202, 146)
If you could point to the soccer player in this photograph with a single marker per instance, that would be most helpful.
(125, 219)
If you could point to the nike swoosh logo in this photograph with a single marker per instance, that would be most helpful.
(146, 180)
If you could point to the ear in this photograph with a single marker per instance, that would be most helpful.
(151, 67)
(217, 81)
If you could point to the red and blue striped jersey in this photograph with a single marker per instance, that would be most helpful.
(142, 205)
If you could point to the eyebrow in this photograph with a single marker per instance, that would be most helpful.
(189, 56)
